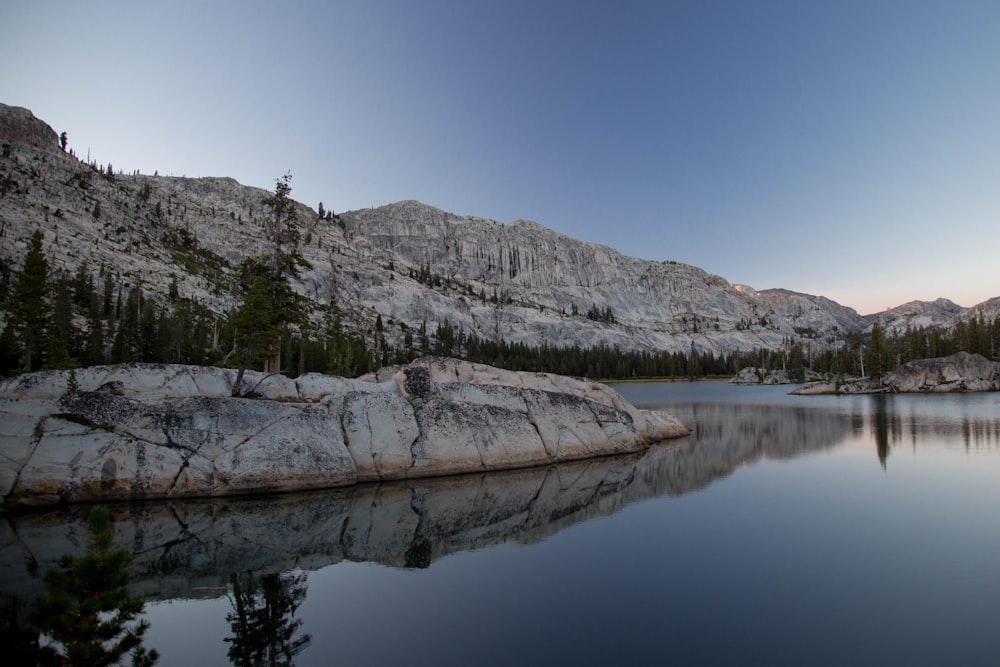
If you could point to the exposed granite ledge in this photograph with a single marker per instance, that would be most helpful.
(159, 431)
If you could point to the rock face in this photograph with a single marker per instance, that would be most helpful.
(535, 286)
(159, 431)
(961, 371)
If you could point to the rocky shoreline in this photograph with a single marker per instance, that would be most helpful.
(143, 431)
(959, 372)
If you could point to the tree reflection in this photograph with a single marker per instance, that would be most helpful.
(263, 619)
(881, 424)
(887, 427)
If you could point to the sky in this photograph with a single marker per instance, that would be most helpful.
(845, 149)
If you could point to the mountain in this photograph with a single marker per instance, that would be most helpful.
(405, 265)
(938, 314)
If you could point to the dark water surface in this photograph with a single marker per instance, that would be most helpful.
(785, 531)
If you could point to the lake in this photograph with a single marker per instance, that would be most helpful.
(786, 530)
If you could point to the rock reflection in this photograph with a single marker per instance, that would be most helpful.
(725, 436)
(188, 548)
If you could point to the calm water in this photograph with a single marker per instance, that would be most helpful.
(785, 531)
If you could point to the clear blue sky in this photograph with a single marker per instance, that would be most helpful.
(849, 149)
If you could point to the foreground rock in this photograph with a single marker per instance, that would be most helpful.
(158, 431)
(961, 371)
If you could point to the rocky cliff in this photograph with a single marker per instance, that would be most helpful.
(407, 263)
(157, 431)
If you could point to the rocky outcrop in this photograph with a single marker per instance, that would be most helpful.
(159, 431)
(19, 125)
(754, 375)
(961, 371)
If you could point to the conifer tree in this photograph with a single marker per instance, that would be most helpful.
(256, 337)
(30, 305)
(87, 614)
(93, 348)
(281, 225)
(276, 306)
(878, 355)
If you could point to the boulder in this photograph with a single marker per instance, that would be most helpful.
(961, 371)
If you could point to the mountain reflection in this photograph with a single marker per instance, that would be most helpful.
(188, 548)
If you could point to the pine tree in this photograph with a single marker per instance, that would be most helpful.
(30, 306)
(93, 348)
(282, 229)
(282, 226)
(276, 306)
(87, 615)
(256, 337)
(878, 355)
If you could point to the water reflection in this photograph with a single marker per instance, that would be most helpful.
(951, 420)
(881, 427)
(264, 630)
(191, 548)
(188, 548)
(86, 615)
